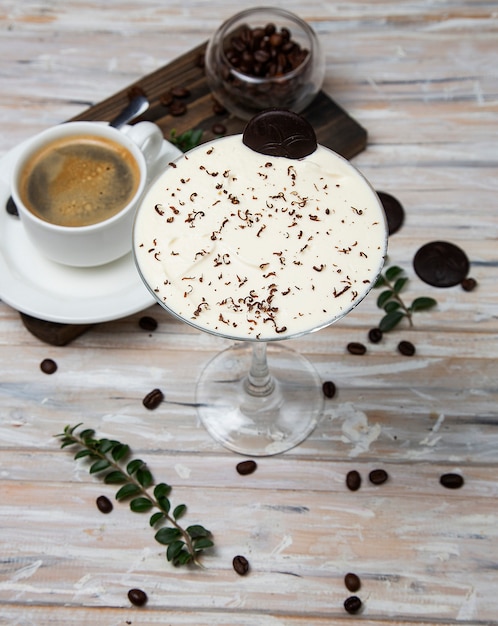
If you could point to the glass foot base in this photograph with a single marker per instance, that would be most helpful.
(259, 425)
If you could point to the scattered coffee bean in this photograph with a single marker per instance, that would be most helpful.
(166, 99)
(264, 51)
(218, 108)
(375, 335)
(218, 129)
(104, 505)
(395, 213)
(180, 92)
(328, 389)
(352, 582)
(406, 348)
(153, 399)
(469, 284)
(441, 264)
(137, 597)
(356, 348)
(240, 565)
(135, 91)
(378, 476)
(353, 480)
(147, 323)
(177, 108)
(352, 604)
(451, 481)
(11, 207)
(246, 467)
(48, 366)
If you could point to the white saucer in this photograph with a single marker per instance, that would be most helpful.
(48, 291)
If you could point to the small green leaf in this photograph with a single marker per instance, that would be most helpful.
(104, 446)
(389, 321)
(133, 466)
(179, 511)
(400, 283)
(167, 535)
(82, 454)
(127, 491)
(380, 282)
(196, 531)
(164, 504)
(156, 517)
(67, 442)
(202, 544)
(392, 272)
(391, 306)
(422, 304)
(115, 478)
(88, 433)
(120, 451)
(99, 466)
(182, 558)
(140, 505)
(161, 490)
(383, 298)
(187, 140)
(144, 477)
(174, 550)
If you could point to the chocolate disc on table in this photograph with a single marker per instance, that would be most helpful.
(441, 264)
(394, 211)
(280, 133)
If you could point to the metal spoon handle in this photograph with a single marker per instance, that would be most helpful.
(136, 107)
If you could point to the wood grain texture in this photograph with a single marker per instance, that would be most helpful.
(421, 77)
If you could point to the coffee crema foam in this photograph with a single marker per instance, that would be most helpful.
(260, 247)
(79, 180)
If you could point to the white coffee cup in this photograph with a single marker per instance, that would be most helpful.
(94, 243)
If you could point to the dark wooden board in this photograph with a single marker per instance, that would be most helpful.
(334, 128)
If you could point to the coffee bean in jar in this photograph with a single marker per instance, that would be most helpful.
(263, 58)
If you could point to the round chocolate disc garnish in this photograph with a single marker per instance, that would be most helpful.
(441, 264)
(395, 214)
(280, 133)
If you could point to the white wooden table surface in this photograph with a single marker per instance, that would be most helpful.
(422, 77)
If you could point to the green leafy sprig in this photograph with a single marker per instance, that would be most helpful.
(187, 140)
(110, 459)
(394, 281)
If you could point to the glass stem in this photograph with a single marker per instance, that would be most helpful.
(259, 381)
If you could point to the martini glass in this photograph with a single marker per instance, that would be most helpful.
(258, 397)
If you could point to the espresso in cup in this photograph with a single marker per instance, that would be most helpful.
(79, 180)
(77, 185)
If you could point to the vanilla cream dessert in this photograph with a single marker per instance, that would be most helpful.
(255, 246)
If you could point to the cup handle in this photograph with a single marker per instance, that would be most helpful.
(148, 137)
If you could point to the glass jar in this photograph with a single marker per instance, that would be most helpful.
(263, 58)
